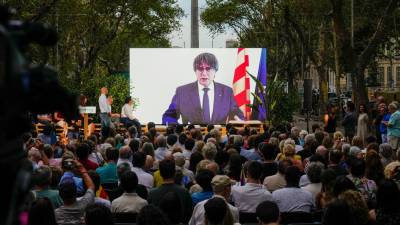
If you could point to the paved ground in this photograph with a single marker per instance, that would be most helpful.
(300, 121)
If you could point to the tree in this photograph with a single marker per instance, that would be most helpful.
(95, 35)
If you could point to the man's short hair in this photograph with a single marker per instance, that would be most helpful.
(167, 169)
(42, 176)
(189, 144)
(67, 189)
(132, 131)
(268, 151)
(138, 159)
(134, 144)
(96, 214)
(129, 181)
(161, 141)
(335, 156)
(203, 178)
(215, 210)
(122, 168)
(282, 165)
(255, 170)
(207, 58)
(292, 175)
(314, 171)
(182, 139)
(267, 212)
(172, 139)
(112, 154)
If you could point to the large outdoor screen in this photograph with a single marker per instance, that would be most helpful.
(189, 86)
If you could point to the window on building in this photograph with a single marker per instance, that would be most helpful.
(380, 77)
(389, 76)
(398, 75)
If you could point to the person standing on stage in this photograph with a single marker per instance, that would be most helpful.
(105, 112)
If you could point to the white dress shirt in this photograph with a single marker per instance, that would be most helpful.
(128, 203)
(198, 214)
(210, 96)
(144, 178)
(127, 111)
(248, 197)
(103, 104)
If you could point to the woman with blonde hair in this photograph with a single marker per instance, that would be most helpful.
(289, 152)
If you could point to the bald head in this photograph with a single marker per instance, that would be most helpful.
(125, 152)
(322, 151)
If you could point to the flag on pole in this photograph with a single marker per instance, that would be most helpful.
(241, 83)
(262, 77)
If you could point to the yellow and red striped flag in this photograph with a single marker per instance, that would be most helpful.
(241, 83)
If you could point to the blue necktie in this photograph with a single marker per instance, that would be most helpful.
(206, 106)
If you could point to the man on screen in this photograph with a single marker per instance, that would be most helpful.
(203, 101)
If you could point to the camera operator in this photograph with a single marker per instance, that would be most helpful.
(72, 211)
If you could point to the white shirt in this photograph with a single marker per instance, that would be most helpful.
(198, 215)
(144, 178)
(127, 111)
(120, 161)
(248, 197)
(128, 203)
(314, 188)
(210, 96)
(103, 104)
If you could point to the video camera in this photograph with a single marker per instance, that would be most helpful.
(24, 88)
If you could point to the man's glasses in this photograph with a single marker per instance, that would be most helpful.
(201, 69)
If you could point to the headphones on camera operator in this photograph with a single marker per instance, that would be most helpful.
(24, 88)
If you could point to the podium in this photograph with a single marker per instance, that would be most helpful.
(86, 110)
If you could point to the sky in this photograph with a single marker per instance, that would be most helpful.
(181, 38)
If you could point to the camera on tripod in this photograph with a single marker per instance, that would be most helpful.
(24, 88)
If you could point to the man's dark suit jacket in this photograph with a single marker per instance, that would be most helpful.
(186, 104)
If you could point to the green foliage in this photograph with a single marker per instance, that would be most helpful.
(280, 105)
(95, 37)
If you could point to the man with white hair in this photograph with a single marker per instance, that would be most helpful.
(393, 126)
(209, 151)
(188, 175)
(125, 155)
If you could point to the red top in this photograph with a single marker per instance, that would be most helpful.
(89, 165)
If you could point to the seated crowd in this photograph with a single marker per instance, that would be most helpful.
(280, 176)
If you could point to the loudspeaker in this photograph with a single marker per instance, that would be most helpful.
(307, 103)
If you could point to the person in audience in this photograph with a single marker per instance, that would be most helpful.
(71, 212)
(189, 145)
(138, 162)
(188, 176)
(42, 178)
(167, 171)
(314, 171)
(129, 202)
(152, 215)
(358, 206)
(125, 155)
(267, 213)
(98, 214)
(292, 198)
(335, 157)
(68, 165)
(234, 167)
(338, 212)
(221, 185)
(349, 121)
(270, 166)
(277, 181)
(203, 178)
(393, 126)
(216, 212)
(388, 197)
(322, 199)
(367, 187)
(108, 172)
(171, 205)
(247, 197)
(386, 153)
(41, 212)
(127, 116)
(162, 150)
(373, 166)
(209, 151)
(49, 152)
(96, 181)
(82, 152)
(252, 153)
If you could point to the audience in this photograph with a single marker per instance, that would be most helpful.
(342, 181)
